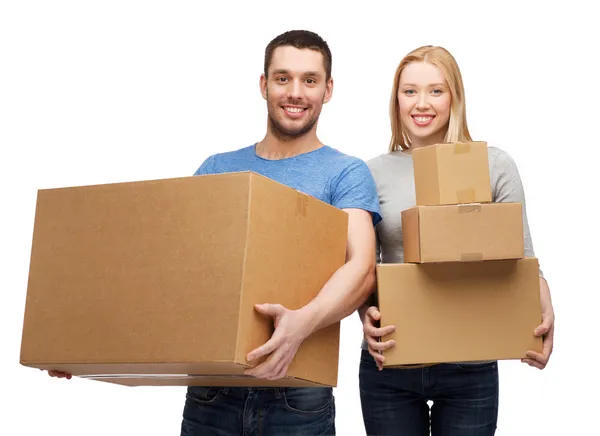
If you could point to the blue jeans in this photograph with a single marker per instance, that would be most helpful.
(258, 411)
(464, 397)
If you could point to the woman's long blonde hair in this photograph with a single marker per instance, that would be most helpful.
(458, 130)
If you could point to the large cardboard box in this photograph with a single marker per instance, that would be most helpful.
(453, 173)
(460, 311)
(154, 282)
(463, 233)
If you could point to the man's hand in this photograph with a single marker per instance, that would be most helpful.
(545, 329)
(291, 328)
(372, 334)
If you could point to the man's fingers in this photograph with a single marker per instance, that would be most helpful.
(276, 363)
(373, 313)
(271, 369)
(279, 369)
(260, 370)
(269, 309)
(264, 349)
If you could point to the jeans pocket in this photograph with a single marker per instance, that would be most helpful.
(203, 395)
(308, 400)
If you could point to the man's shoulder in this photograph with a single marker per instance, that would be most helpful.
(340, 160)
(232, 154)
(347, 170)
(219, 162)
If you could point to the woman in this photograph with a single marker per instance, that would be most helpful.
(428, 107)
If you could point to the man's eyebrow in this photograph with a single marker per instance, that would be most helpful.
(305, 73)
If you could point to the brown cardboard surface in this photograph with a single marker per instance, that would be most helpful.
(460, 311)
(463, 233)
(454, 173)
(277, 269)
(164, 274)
(206, 380)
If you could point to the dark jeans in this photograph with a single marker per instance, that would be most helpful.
(258, 411)
(394, 401)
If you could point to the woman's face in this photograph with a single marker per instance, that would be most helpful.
(424, 101)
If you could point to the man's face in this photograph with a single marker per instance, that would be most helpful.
(295, 90)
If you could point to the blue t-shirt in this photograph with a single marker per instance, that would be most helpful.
(325, 173)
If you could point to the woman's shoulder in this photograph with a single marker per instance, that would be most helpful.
(384, 160)
(499, 158)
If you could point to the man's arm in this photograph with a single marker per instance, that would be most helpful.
(343, 293)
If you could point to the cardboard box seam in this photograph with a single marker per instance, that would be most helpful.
(244, 263)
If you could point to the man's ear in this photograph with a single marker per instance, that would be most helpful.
(263, 85)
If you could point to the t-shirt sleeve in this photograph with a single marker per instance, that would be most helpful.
(207, 167)
(354, 188)
(507, 187)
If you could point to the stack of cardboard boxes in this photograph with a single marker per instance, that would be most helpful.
(465, 292)
(155, 282)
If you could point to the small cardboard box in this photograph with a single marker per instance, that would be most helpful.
(463, 233)
(459, 312)
(154, 282)
(454, 173)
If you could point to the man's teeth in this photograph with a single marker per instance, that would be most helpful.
(294, 109)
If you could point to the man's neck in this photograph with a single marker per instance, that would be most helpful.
(274, 148)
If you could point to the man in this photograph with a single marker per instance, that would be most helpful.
(296, 83)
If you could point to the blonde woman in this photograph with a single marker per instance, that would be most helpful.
(428, 107)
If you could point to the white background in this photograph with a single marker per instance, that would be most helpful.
(111, 91)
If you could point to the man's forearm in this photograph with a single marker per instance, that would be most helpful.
(345, 292)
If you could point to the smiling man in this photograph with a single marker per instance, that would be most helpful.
(296, 83)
